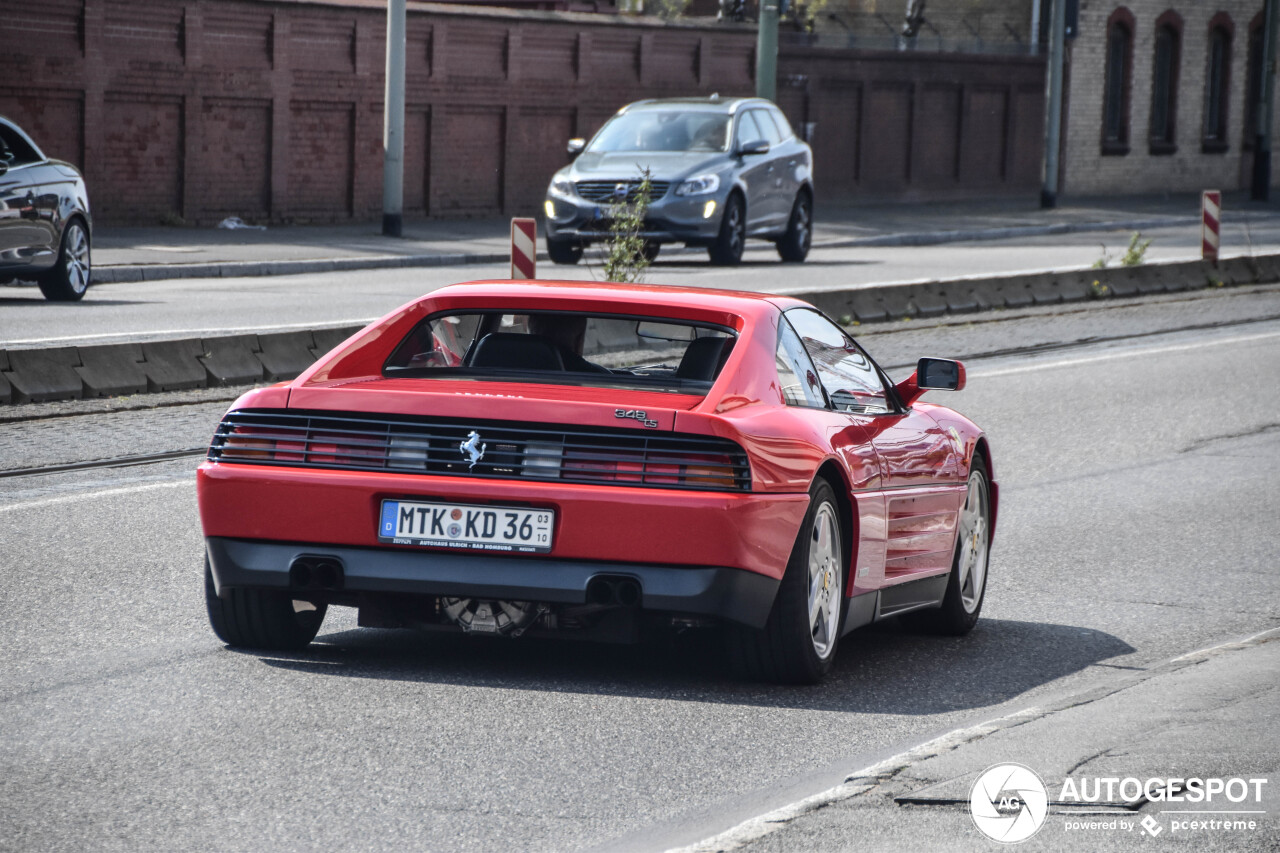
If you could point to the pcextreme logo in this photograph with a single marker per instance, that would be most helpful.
(1008, 803)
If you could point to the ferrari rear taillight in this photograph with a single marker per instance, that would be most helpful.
(567, 453)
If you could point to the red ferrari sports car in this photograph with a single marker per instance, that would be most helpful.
(581, 459)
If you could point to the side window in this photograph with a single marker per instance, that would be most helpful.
(19, 152)
(781, 121)
(766, 125)
(851, 380)
(748, 130)
(796, 374)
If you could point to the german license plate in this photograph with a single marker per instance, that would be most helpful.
(466, 526)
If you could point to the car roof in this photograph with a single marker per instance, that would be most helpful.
(714, 103)
(739, 302)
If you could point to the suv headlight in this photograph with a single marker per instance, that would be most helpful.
(561, 186)
(699, 185)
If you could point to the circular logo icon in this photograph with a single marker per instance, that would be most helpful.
(1008, 803)
(455, 530)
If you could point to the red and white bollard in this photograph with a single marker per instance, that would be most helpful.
(524, 248)
(1211, 214)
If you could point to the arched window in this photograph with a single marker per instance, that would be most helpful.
(1217, 79)
(1115, 99)
(1164, 83)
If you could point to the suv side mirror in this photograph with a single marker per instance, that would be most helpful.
(755, 146)
(939, 374)
(575, 146)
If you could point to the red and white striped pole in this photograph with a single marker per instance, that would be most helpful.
(524, 248)
(1211, 214)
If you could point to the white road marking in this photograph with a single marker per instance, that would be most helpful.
(1119, 353)
(100, 493)
(855, 783)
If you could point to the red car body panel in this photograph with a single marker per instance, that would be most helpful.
(902, 476)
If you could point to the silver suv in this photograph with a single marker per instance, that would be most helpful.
(721, 170)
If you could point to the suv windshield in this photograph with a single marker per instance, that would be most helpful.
(564, 348)
(663, 130)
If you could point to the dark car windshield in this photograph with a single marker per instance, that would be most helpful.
(565, 349)
(663, 130)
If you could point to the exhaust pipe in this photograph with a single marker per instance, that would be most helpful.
(613, 591)
(316, 573)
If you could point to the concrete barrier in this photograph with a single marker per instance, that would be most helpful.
(232, 360)
(173, 365)
(45, 374)
(111, 370)
(6, 390)
(286, 354)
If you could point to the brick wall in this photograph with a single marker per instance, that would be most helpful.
(1087, 170)
(272, 109)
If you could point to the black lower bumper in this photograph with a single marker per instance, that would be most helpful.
(733, 594)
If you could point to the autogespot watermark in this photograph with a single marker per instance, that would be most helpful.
(1009, 803)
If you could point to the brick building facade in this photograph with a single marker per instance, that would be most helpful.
(1158, 97)
(272, 109)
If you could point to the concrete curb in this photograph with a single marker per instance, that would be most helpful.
(73, 372)
(123, 273)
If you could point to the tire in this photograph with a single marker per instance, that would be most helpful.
(726, 251)
(651, 250)
(794, 245)
(967, 583)
(260, 619)
(797, 646)
(68, 280)
(564, 252)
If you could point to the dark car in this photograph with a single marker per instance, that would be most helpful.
(721, 170)
(45, 225)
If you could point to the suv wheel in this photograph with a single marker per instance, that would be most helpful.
(726, 251)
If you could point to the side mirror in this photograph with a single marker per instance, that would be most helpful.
(941, 374)
(755, 146)
(576, 145)
(932, 374)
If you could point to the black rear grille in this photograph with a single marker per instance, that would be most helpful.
(358, 442)
(604, 190)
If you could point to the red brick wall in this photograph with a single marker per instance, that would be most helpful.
(272, 109)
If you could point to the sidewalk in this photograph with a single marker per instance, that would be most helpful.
(1207, 715)
(145, 253)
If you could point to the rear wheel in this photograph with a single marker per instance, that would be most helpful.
(69, 278)
(726, 251)
(651, 250)
(967, 583)
(566, 252)
(798, 643)
(261, 619)
(794, 245)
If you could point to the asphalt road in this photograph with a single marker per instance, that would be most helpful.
(190, 307)
(1137, 480)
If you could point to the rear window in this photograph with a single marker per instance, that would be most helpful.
(650, 353)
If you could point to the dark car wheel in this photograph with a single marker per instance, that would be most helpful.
(726, 251)
(798, 643)
(967, 584)
(794, 245)
(261, 619)
(69, 278)
(564, 251)
(651, 250)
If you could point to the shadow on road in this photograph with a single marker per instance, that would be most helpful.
(881, 670)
